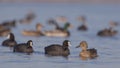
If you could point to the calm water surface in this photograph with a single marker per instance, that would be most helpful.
(98, 17)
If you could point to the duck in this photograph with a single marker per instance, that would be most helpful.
(4, 31)
(10, 42)
(83, 27)
(24, 47)
(28, 18)
(2, 27)
(57, 33)
(62, 32)
(108, 32)
(58, 49)
(9, 23)
(34, 33)
(87, 53)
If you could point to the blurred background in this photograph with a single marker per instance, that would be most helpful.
(48, 22)
(61, 1)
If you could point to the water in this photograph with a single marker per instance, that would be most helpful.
(98, 17)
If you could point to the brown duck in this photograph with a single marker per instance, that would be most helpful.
(87, 53)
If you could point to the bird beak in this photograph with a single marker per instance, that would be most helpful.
(69, 44)
(31, 43)
(8, 36)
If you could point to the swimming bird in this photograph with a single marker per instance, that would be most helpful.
(4, 31)
(10, 42)
(87, 53)
(9, 24)
(38, 31)
(28, 18)
(62, 32)
(24, 47)
(83, 27)
(58, 50)
(1, 27)
(31, 15)
(108, 31)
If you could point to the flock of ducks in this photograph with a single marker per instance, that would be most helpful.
(53, 49)
(5, 27)
(50, 50)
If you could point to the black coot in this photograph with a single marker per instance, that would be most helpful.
(10, 42)
(24, 47)
(58, 50)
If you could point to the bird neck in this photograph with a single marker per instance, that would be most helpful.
(56, 25)
(38, 29)
(84, 49)
(84, 22)
(12, 38)
(65, 47)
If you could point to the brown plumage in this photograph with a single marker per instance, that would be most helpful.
(87, 53)
(61, 32)
(34, 33)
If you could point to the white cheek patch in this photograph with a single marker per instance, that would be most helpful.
(8, 36)
(31, 43)
(69, 44)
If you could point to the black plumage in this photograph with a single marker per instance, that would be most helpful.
(58, 50)
(10, 42)
(24, 47)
